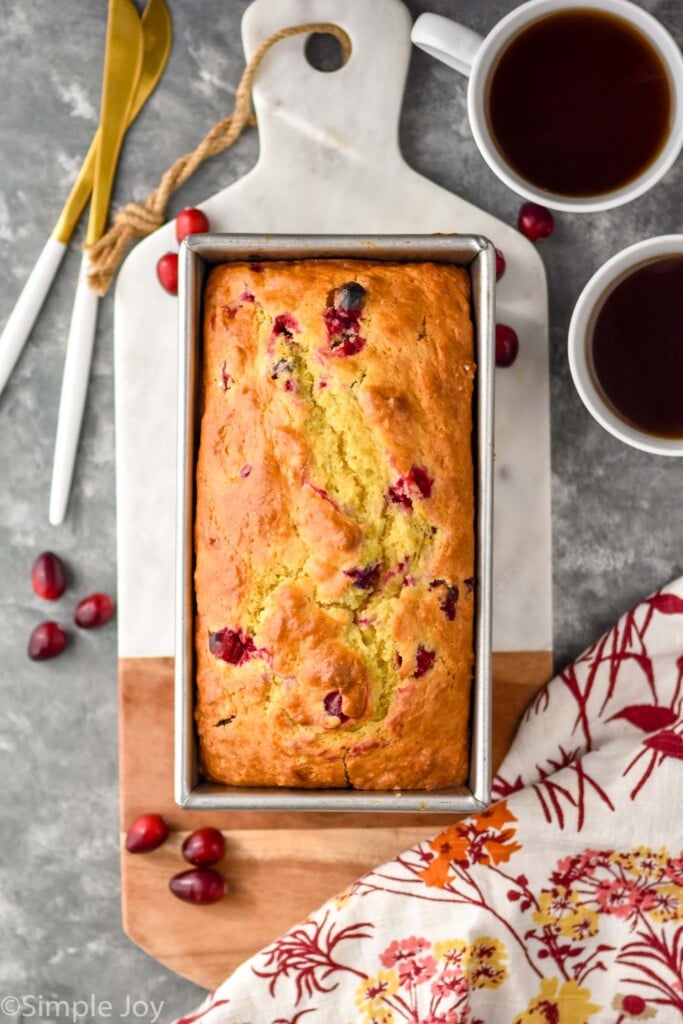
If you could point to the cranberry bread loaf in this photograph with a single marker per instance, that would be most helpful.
(334, 525)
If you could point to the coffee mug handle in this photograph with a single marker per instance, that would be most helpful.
(448, 41)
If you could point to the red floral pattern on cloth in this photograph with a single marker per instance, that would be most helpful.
(561, 904)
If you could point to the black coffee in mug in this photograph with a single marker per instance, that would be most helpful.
(635, 347)
(579, 103)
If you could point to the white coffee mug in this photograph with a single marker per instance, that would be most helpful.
(580, 332)
(475, 56)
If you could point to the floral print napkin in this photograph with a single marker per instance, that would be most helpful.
(562, 904)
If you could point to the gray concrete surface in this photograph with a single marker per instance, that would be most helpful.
(616, 512)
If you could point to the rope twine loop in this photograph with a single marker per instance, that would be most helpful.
(136, 220)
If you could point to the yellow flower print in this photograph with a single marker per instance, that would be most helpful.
(666, 903)
(486, 975)
(371, 990)
(558, 1004)
(485, 963)
(450, 950)
(381, 1016)
(555, 905)
(485, 948)
(561, 908)
(643, 862)
(580, 923)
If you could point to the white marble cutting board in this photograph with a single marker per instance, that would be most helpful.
(329, 162)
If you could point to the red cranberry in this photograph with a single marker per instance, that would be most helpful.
(146, 833)
(167, 272)
(398, 494)
(204, 847)
(418, 477)
(535, 221)
(48, 577)
(366, 578)
(285, 325)
(423, 481)
(507, 345)
(190, 222)
(343, 330)
(425, 659)
(47, 641)
(500, 264)
(93, 611)
(332, 702)
(232, 645)
(449, 601)
(199, 885)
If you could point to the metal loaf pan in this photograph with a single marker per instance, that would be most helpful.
(197, 255)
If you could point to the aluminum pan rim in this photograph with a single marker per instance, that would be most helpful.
(197, 253)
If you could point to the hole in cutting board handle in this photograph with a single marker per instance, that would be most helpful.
(324, 52)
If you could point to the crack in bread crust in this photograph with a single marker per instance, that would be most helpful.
(334, 512)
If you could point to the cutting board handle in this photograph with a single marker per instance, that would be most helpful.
(292, 98)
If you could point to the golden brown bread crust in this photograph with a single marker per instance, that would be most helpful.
(334, 527)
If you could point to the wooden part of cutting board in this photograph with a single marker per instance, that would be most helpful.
(280, 866)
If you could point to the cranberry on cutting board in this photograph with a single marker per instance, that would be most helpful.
(190, 221)
(146, 833)
(507, 345)
(167, 272)
(199, 885)
(204, 847)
